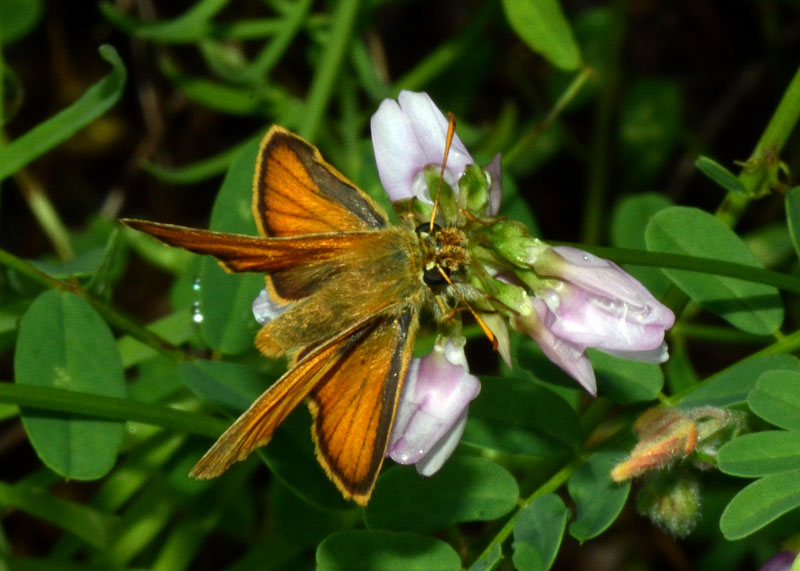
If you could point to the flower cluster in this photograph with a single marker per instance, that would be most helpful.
(565, 299)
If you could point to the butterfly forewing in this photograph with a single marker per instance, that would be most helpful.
(298, 193)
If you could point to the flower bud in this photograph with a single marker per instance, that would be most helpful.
(665, 435)
(672, 502)
(432, 411)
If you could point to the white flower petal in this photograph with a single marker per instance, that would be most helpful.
(658, 355)
(408, 135)
(265, 308)
(441, 451)
(435, 396)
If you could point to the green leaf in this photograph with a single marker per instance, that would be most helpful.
(176, 328)
(291, 457)
(776, 399)
(353, 550)
(519, 417)
(226, 299)
(598, 500)
(231, 386)
(732, 385)
(792, 204)
(82, 265)
(625, 381)
(202, 169)
(628, 223)
(18, 18)
(761, 453)
(760, 503)
(542, 26)
(752, 307)
(538, 530)
(650, 128)
(465, 489)
(719, 174)
(50, 133)
(63, 343)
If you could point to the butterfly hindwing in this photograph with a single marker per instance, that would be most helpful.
(255, 426)
(354, 405)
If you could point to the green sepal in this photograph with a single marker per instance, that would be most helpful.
(448, 206)
(511, 241)
(474, 187)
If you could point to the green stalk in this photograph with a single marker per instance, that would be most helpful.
(524, 142)
(112, 316)
(765, 154)
(594, 204)
(329, 68)
(93, 405)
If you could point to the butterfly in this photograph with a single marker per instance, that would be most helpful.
(350, 287)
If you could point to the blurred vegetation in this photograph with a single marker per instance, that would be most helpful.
(601, 110)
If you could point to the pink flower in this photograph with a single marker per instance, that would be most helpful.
(592, 302)
(409, 135)
(432, 412)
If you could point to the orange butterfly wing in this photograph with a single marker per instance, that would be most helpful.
(354, 382)
(255, 426)
(296, 193)
(354, 406)
(240, 253)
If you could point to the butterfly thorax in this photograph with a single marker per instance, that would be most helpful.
(444, 255)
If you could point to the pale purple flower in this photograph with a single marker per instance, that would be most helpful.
(781, 561)
(408, 135)
(570, 357)
(597, 304)
(432, 412)
(592, 302)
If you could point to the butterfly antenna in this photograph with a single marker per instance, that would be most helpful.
(451, 129)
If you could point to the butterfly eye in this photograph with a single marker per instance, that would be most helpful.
(433, 276)
(425, 228)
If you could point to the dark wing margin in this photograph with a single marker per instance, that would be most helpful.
(354, 405)
(295, 192)
(255, 426)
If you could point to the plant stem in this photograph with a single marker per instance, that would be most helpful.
(112, 316)
(594, 203)
(767, 150)
(551, 485)
(99, 406)
(339, 35)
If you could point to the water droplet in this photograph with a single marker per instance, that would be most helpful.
(197, 314)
